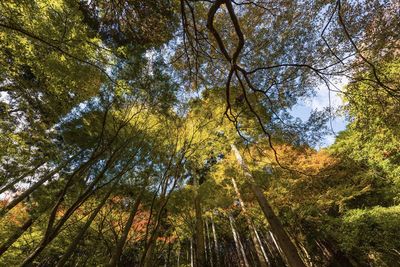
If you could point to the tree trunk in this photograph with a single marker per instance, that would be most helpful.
(200, 257)
(191, 253)
(187, 255)
(121, 242)
(335, 256)
(147, 262)
(205, 244)
(149, 246)
(288, 248)
(273, 248)
(79, 171)
(52, 230)
(20, 178)
(48, 236)
(169, 254)
(209, 245)
(238, 244)
(253, 233)
(218, 263)
(178, 256)
(35, 186)
(82, 231)
(4, 247)
(262, 247)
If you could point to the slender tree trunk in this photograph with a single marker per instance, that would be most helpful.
(49, 230)
(284, 241)
(277, 246)
(253, 233)
(246, 262)
(4, 247)
(80, 170)
(200, 252)
(238, 244)
(52, 230)
(209, 245)
(121, 242)
(205, 244)
(187, 254)
(50, 234)
(275, 252)
(20, 178)
(335, 257)
(179, 254)
(306, 255)
(149, 247)
(164, 198)
(191, 253)
(169, 254)
(147, 262)
(262, 247)
(82, 231)
(36, 185)
(218, 263)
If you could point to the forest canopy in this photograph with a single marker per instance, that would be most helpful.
(167, 133)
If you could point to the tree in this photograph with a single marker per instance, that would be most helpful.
(118, 120)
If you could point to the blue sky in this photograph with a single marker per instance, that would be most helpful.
(319, 102)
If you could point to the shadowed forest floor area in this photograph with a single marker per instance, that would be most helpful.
(185, 133)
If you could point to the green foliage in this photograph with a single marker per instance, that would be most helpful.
(373, 134)
(371, 235)
(132, 98)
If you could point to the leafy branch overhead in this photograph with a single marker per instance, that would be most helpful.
(193, 133)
